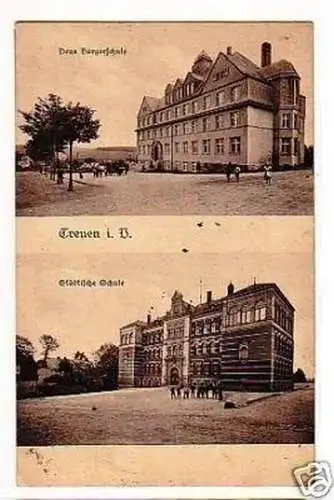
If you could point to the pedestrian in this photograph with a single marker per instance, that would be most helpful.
(228, 172)
(199, 390)
(178, 390)
(206, 390)
(192, 390)
(237, 171)
(186, 393)
(267, 173)
(172, 393)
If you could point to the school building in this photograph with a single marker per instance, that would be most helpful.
(245, 340)
(226, 110)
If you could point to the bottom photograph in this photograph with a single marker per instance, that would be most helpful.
(165, 349)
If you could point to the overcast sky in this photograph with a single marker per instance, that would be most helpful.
(156, 54)
(83, 318)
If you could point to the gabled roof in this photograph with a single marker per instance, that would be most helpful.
(245, 65)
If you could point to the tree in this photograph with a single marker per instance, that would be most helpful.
(107, 364)
(80, 356)
(53, 124)
(309, 157)
(79, 126)
(48, 344)
(299, 376)
(44, 125)
(25, 358)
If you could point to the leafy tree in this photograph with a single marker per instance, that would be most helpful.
(81, 356)
(107, 364)
(25, 358)
(299, 376)
(309, 157)
(44, 125)
(52, 125)
(48, 344)
(80, 127)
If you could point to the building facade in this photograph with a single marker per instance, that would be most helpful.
(243, 340)
(225, 111)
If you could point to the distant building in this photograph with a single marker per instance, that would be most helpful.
(227, 110)
(244, 340)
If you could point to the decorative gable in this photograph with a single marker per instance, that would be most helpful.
(222, 73)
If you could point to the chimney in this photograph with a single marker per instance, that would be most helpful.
(148, 319)
(265, 54)
(230, 289)
(229, 50)
(209, 296)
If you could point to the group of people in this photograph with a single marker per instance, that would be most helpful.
(197, 391)
(236, 171)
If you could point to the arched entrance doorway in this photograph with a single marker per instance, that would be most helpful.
(157, 151)
(174, 376)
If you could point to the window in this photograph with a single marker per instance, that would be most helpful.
(219, 98)
(185, 166)
(206, 102)
(205, 124)
(194, 147)
(162, 116)
(167, 148)
(176, 129)
(219, 145)
(235, 94)
(161, 132)
(285, 120)
(185, 147)
(194, 107)
(185, 128)
(177, 111)
(235, 146)
(177, 147)
(219, 119)
(295, 121)
(207, 328)
(260, 313)
(206, 146)
(234, 118)
(244, 316)
(167, 114)
(285, 146)
(194, 126)
(185, 109)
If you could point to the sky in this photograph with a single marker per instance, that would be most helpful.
(156, 53)
(84, 318)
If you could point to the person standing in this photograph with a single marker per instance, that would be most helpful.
(228, 172)
(267, 173)
(237, 173)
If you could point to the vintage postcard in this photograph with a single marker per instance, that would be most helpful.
(169, 118)
(173, 352)
(165, 254)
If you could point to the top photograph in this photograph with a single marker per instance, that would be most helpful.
(164, 118)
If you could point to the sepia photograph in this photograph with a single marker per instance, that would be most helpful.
(164, 118)
(165, 349)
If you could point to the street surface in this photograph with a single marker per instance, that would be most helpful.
(149, 416)
(138, 193)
